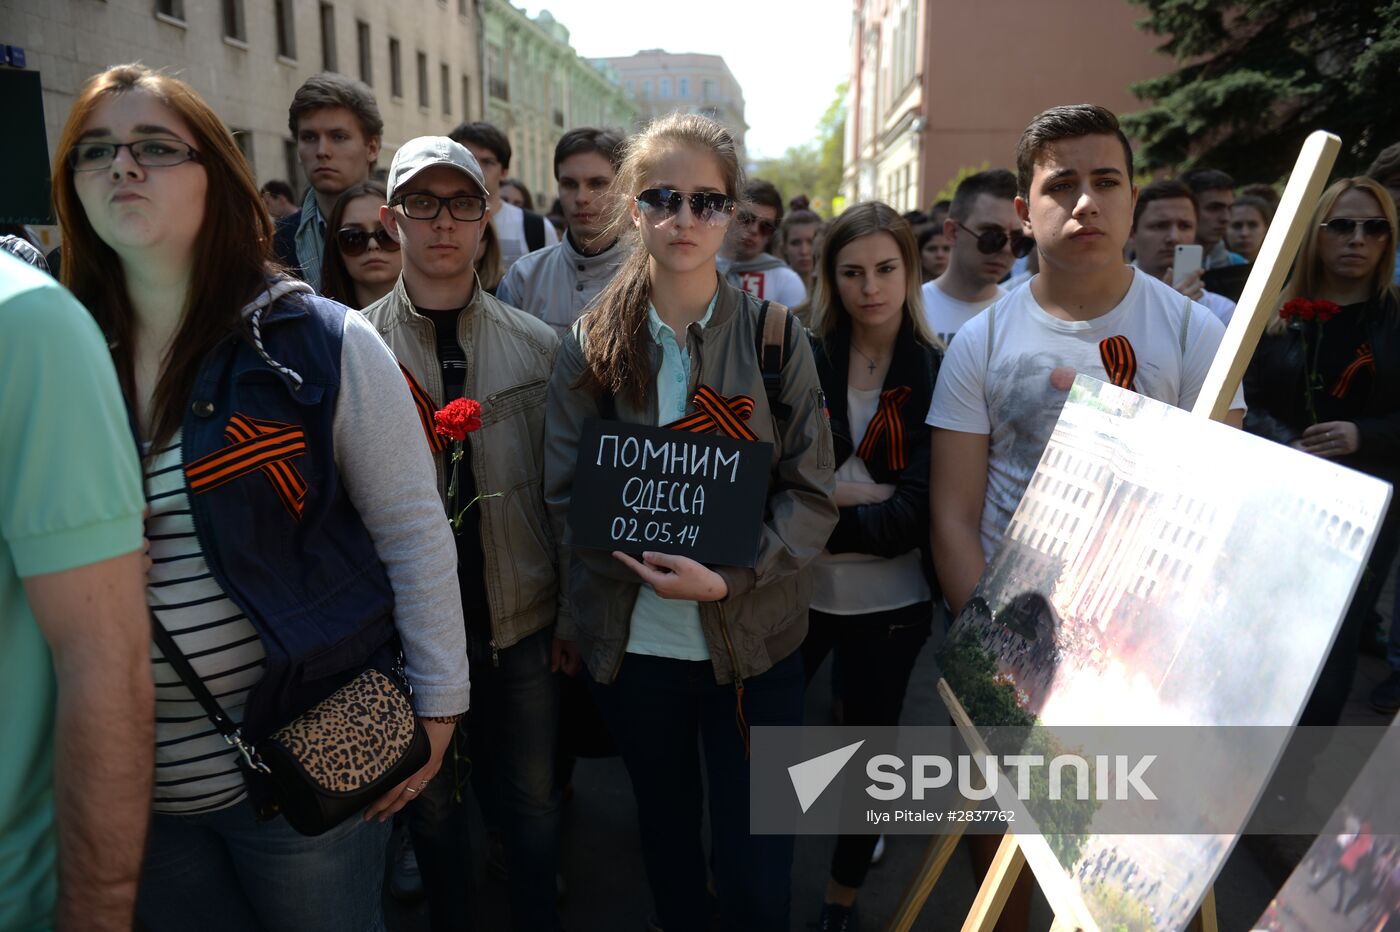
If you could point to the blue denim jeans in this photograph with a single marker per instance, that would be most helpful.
(660, 711)
(509, 750)
(225, 870)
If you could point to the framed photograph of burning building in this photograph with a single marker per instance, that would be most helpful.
(1160, 570)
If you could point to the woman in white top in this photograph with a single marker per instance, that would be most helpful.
(872, 586)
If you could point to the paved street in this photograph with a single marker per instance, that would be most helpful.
(607, 890)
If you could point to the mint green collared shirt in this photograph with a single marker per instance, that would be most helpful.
(669, 627)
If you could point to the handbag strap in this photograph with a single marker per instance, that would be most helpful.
(231, 733)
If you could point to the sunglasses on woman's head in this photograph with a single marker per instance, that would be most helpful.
(994, 241)
(1373, 227)
(709, 207)
(353, 241)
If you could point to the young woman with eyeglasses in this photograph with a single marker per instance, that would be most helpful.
(360, 261)
(872, 587)
(295, 532)
(1351, 413)
(676, 652)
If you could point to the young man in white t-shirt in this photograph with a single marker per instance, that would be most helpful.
(519, 231)
(1006, 377)
(986, 237)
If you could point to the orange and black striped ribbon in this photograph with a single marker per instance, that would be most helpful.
(255, 445)
(1119, 361)
(426, 409)
(1364, 360)
(713, 411)
(886, 424)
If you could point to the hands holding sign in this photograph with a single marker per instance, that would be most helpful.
(676, 577)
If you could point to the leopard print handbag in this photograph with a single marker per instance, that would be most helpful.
(345, 752)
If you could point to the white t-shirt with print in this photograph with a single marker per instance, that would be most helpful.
(509, 222)
(946, 314)
(1014, 391)
(780, 284)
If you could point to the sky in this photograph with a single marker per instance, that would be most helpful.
(787, 56)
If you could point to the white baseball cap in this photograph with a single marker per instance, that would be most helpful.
(428, 151)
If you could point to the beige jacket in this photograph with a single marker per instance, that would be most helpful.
(509, 357)
(763, 619)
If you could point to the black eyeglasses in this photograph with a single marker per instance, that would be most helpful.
(353, 241)
(463, 207)
(1372, 227)
(994, 241)
(765, 227)
(708, 207)
(151, 153)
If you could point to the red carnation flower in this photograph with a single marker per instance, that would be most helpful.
(458, 418)
(1325, 310)
(1297, 309)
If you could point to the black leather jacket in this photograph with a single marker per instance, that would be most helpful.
(1274, 394)
(901, 523)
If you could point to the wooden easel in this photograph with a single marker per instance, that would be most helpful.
(1255, 308)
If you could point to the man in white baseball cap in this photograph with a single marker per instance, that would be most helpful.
(454, 340)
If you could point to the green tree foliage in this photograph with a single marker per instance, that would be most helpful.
(1253, 79)
(1117, 911)
(813, 168)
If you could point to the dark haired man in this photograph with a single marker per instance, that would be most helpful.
(986, 238)
(745, 261)
(1164, 218)
(518, 230)
(1215, 194)
(556, 283)
(336, 124)
(281, 201)
(1007, 375)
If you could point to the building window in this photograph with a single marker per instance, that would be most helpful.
(462, 8)
(422, 80)
(683, 88)
(466, 97)
(286, 29)
(630, 88)
(234, 27)
(498, 81)
(329, 58)
(395, 69)
(244, 139)
(291, 163)
(646, 90)
(175, 9)
(665, 87)
(446, 73)
(708, 89)
(366, 62)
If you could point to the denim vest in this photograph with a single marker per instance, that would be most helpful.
(273, 518)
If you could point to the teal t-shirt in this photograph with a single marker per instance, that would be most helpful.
(70, 495)
(669, 627)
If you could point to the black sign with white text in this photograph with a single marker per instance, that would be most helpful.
(639, 488)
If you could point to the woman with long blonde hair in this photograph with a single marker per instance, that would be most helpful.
(1332, 389)
(679, 653)
(873, 585)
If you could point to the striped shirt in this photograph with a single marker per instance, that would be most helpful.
(196, 771)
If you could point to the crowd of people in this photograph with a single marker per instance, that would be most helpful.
(230, 500)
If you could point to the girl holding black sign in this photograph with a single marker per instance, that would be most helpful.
(872, 586)
(709, 651)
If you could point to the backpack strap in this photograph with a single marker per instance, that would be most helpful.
(772, 332)
(534, 230)
(1185, 324)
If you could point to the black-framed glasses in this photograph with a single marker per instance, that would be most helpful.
(353, 241)
(1371, 227)
(462, 207)
(994, 241)
(151, 153)
(709, 207)
(766, 228)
